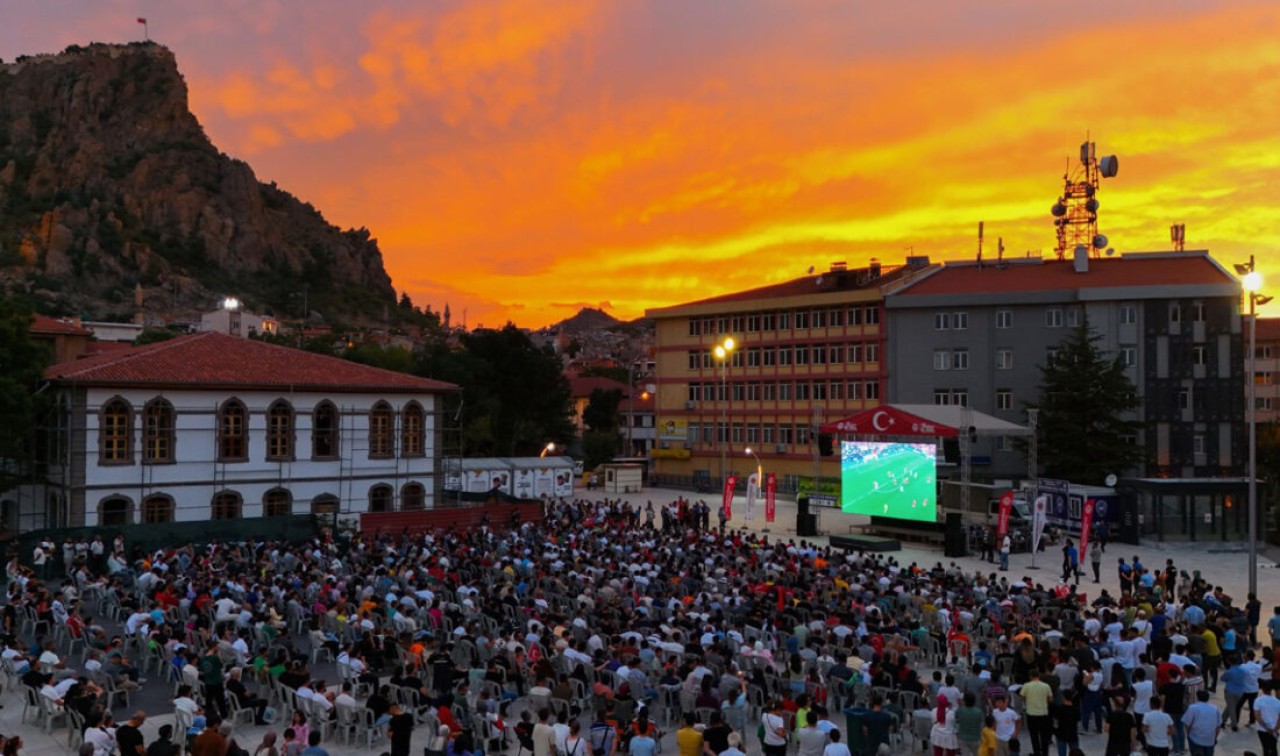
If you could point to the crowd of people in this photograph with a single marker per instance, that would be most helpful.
(588, 633)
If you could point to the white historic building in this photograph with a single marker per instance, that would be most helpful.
(209, 426)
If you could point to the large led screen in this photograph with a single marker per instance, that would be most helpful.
(889, 479)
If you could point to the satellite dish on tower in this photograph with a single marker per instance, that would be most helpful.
(1109, 166)
(1099, 241)
(1111, 480)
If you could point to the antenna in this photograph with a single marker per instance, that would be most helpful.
(1178, 235)
(980, 225)
(1075, 214)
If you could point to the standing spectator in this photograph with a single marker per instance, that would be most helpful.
(399, 731)
(1005, 544)
(688, 739)
(1204, 724)
(1007, 726)
(969, 725)
(1036, 694)
(1157, 729)
(813, 741)
(129, 737)
(834, 748)
(1121, 728)
(1095, 560)
(1273, 626)
(163, 745)
(775, 730)
(211, 676)
(942, 736)
(544, 736)
(313, 748)
(1066, 722)
(1268, 711)
(1070, 562)
(210, 742)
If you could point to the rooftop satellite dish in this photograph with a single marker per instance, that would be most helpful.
(1111, 251)
(1109, 166)
(1059, 209)
(1099, 241)
(810, 270)
(1111, 480)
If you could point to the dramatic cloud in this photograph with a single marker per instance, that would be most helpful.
(514, 157)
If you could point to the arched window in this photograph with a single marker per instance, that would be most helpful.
(380, 498)
(412, 497)
(381, 440)
(115, 434)
(226, 506)
(157, 431)
(115, 510)
(324, 504)
(411, 426)
(280, 431)
(277, 503)
(324, 431)
(233, 434)
(157, 508)
(8, 514)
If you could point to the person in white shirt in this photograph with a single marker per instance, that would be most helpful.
(1267, 707)
(1157, 727)
(102, 737)
(184, 701)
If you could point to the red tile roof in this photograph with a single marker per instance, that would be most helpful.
(1268, 329)
(1173, 269)
(580, 386)
(215, 360)
(44, 325)
(803, 286)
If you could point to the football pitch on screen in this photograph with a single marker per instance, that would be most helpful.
(889, 479)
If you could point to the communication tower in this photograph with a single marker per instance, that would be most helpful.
(1075, 214)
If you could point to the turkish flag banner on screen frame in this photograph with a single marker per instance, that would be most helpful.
(730, 483)
(1086, 521)
(1002, 521)
(770, 499)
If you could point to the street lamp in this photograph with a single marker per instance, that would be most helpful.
(722, 352)
(1252, 281)
(550, 447)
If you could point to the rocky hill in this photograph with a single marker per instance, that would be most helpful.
(112, 199)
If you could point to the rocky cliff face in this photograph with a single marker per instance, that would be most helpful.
(112, 199)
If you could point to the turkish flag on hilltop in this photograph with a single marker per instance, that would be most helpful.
(887, 420)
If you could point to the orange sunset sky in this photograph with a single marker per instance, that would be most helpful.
(521, 158)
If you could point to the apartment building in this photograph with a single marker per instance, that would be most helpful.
(803, 352)
(978, 334)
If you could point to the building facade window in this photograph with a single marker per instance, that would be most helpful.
(1199, 356)
(381, 439)
(1128, 356)
(324, 431)
(1199, 312)
(1004, 359)
(871, 353)
(226, 506)
(233, 439)
(960, 359)
(277, 503)
(380, 498)
(872, 315)
(1004, 318)
(412, 430)
(280, 430)
(157, 432)
(115, 437)
(1004, 399)
(942, 321)
(115, 510)
(1073, 317)
(871, 390)
(157, 509)
(324, 504)
(1128, 314)
(960, 321)
(413, 497)
(1053, 317)
(941, 359)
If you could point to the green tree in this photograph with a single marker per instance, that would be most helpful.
(601, 413)
(598, 447)
(154, 336)
(22, 364)
(1084, 396)
(507, 380)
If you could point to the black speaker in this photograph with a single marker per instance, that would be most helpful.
(951, 450)
(802, 506)
(954, 543)
(825, 446)
(806, 525)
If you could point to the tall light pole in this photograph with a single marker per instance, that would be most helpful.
(1252, 281)
(723, 351)
(631, 404)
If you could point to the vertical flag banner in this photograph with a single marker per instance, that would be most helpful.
(1086, 521)
(753, 492)
(770, 500)
(729, 484)
(1002, 522)
(1038, 519)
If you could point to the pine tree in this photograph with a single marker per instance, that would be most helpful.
(1084, 398)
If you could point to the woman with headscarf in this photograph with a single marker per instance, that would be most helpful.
(943, 735)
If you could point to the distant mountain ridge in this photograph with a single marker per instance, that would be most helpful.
(113, 201)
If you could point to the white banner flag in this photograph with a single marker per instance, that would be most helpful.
(1038, 519)
(753, 491)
